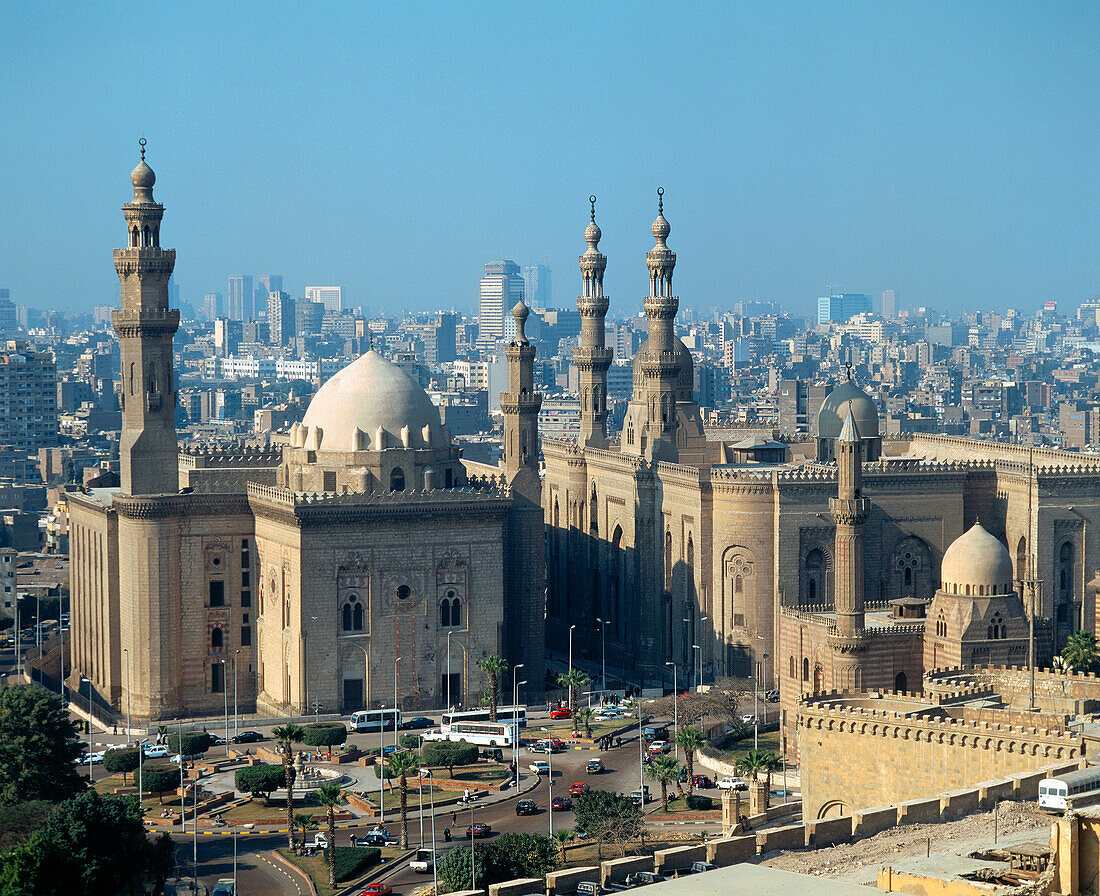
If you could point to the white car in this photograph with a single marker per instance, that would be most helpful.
(95, 758)
(540, 767)
(155, 751)
(661, 745)
(318, 842)
(729, 783)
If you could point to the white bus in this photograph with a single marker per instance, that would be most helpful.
(509, 715)
(376, 720)
(485, 734)
(1053, 792)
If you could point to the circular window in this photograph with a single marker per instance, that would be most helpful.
(217, 561)
(450, 594)
(403, 592)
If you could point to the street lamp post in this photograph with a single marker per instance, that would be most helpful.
(550, 787)
(449, 670)
(236, 658)
(699, 641)
(515, 720)
(427, 773)
(675, 712)
(84, 679)
(571, 647)
(396, 705)
(696, 651)
(225, 701)
(603, 652)
(760, 665)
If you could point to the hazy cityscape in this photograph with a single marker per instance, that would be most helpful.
(389, 524)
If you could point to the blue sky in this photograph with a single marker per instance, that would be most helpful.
(947, 150)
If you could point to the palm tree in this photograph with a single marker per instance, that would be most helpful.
(756, 762)
(563, 836)
(285, 736)
(690, 740)
(304, 821)
(584, 716)
(494, 666)
(330, 796)
(401, 764)
(574, 679)
(1080, 652)
(664, 769)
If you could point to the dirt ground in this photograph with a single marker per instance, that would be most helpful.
(859, 862)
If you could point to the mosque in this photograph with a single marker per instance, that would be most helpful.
(358, 564)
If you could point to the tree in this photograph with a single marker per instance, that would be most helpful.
(1080, 652)
(514, 855)
(690, 739)
(608, 817)
(121, 762)
(494, 667)
(259, 780)
(720, 702)
(664, 769)
(88, 844)
(324, 734)
(194, 743)
(584, 716)
(449, 753)
(330, 796)
(160, 779)
(756, 763)
(563, 836)
(454, 872)
(38, 746)
(304, 822)
(574, 679)
(285, 736)
(401, 764)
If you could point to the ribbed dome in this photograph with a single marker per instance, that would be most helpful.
(371, 394)
(834, 409)
(976, 564)
(685, 381)
(142, 177)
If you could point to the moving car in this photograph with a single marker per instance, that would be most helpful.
(577, 788)
(154, 751)
(478, 830)
(729, 783)
(609, 712)
(376, 890)
(655, 732)
(246, 737)
(372, 840)
(416, 723)
(661, 746)
(224, 887)
(561, 712)
(561, 804)
(636, 795)
(539, 767)
(421, 863)
(527, 807)
(594, 766)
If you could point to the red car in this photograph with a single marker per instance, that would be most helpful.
(702, 782)
(562, 712)
(561, 804)
(478, 830)
(577, 788)
(377, 890)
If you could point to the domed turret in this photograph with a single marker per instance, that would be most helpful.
(142, 178)
(845, 398)
(976, 564)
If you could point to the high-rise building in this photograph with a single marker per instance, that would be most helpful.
(9, 322)
(227, 336)
(332, 297)
(280, 317)
(499, 290)
(889, 304)
(28, 397)
(308, 317)
(842, 306)
(213, 305)
(536, 285)
(241, 303)
(265, 285)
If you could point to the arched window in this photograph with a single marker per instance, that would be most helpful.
(908, 577)
(738, 585)
(352, 614)
(456, 612)
(811, 591)
(630, 432)
(397, 480)
(968, 591)
(805, 670)
(901, 682)
(690, 552)
(445, 613)
(668, 559)
(217, 640)
(593, 514)
(941, 626)
(792, 667)
(814, 576)
(1021, 558)
(997, 630)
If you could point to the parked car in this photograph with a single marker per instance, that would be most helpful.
(224, 887)
(372, 840)
(699, 867)
(577, 788)
(421, 863)
(95, 758)
(380, 831)
(609, 712)
(154, 751)
(655, 732)
(527, 807)
(662, 746)
(641, 878)
(478, 830)
(376, 890)
(729, 783)
(561, 712)
(216, 741)
(540, 767)
(702, 782)
(561, 804)
(749, 719)
(772, 696)
(246, 737)
(594, 766)
(416, 723)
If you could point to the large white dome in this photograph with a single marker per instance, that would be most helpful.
(976, 564)
(372, 397)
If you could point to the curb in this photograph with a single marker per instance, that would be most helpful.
(294, 869)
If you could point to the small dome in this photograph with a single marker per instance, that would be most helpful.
(592, 234)
(830, 419)
(143, 177)
(370, 395)
(976, 564)
(660, 229)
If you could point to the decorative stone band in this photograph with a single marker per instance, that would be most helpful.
(518, 404)
(145, 323)
(661, 307)
(157, 507)
(849, 511)
(147, 260)
(593, 306)
(592, 358)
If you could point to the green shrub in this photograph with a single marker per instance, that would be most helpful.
(160, 779)
(410, 741)
(449, 754)
(195, 743)
(352, 861)
(121, 762)
(260, 780)
(324, 734)
(699, 802)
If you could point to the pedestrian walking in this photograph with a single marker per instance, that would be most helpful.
(454, 818)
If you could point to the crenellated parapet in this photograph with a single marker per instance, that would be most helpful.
(208, 456)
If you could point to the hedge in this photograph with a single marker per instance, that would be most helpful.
(160, 779)
(121, 762)
(449, 753)
(260, 779)
(699, 802)
(352, 861)
(324, 734)
(195, 743)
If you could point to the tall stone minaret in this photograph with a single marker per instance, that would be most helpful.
(145, 327)
(520, 404)
(850, 510)
(591, 355)
(660, 364)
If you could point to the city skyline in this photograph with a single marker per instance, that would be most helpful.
(944, 153)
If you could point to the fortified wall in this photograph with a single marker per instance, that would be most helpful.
(883, 748)
(1062, 693)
